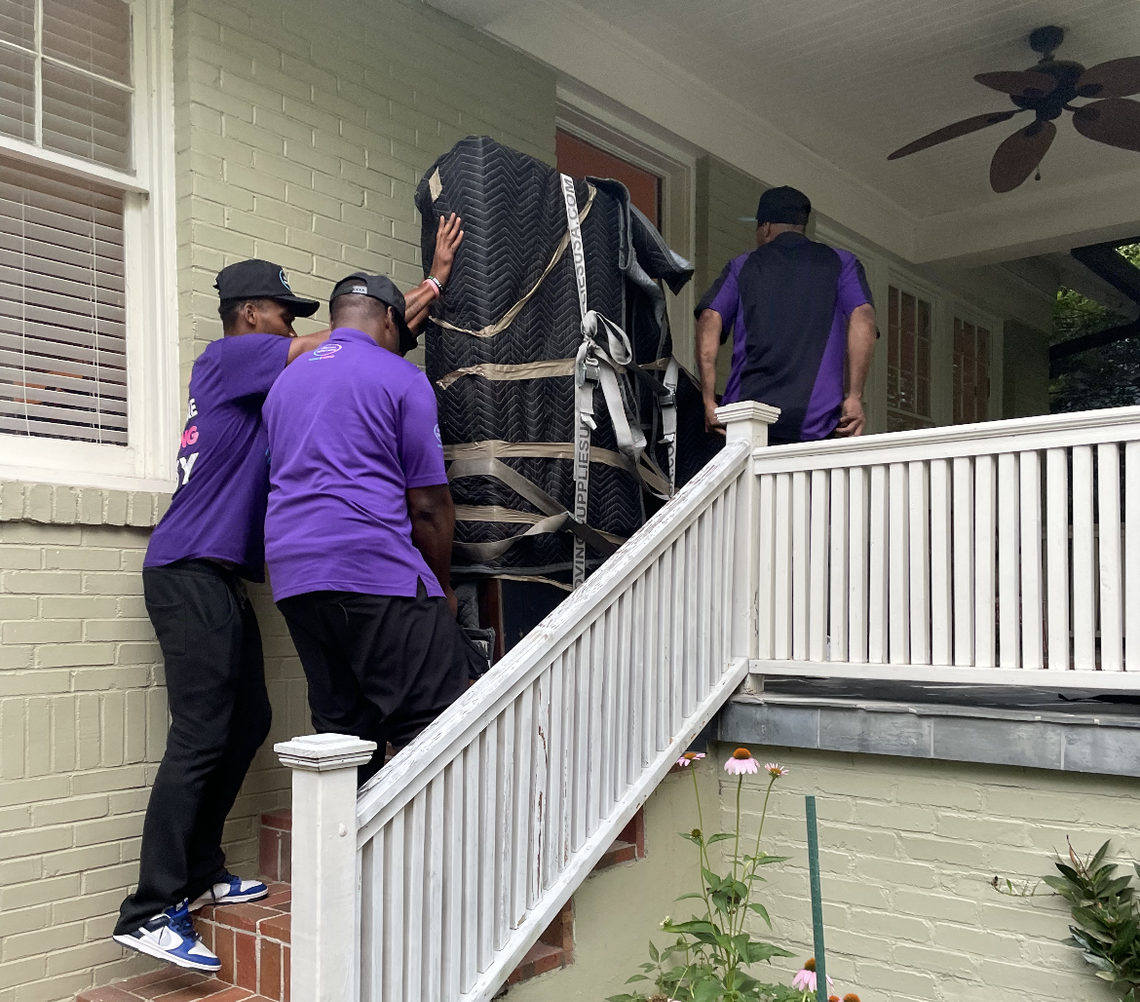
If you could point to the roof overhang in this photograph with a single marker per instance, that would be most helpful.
(587, 48)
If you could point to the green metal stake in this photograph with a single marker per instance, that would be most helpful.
(816, 902)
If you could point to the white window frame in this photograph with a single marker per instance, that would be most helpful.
(150, 246)
(963, 310)
(906, 282)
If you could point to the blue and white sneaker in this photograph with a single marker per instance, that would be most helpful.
(230, 890)
(171, 936)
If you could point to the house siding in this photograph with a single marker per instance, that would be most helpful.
(301, 132)
(908, 850)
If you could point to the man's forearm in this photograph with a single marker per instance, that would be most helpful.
(860, 348)
(708, 345)
(432, 534)
(416, 304)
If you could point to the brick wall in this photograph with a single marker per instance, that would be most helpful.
(723, 195)
(908, 849)
(301, 132)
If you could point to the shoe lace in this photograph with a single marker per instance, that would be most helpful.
(182, 922)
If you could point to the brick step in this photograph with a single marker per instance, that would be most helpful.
(169, 985)
(252, 940)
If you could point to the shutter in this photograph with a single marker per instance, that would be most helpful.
(17, 94)
(62, 331)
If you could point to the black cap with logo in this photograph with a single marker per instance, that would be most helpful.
(257, 279)
(783, 205)
(382, 288)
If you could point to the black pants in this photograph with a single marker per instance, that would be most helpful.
(220, 715)
(379, 667)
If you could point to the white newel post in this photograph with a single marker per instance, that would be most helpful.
(325, 962)
(747, 421)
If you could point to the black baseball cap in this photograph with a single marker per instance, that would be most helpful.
(383, 288)
(783, 205)
(257, 279)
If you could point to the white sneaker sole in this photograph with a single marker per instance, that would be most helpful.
(237, 899)
(142, 946)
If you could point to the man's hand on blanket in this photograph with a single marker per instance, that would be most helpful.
(447, 240)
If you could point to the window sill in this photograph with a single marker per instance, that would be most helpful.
(56, 504)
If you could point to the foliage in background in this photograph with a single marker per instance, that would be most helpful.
(710, 957)
(1106, 911)
(1100, 377)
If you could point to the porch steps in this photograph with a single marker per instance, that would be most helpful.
(252, 940)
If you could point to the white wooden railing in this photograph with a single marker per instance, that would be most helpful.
(434, 884)
(1000, 552)
(1006, 552)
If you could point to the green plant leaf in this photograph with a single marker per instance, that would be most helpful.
(760, 910)
(756, 952)
(653, 954)
(708, 990)
(692, 926)
(720, 837)
(691, 894)
(636, 977)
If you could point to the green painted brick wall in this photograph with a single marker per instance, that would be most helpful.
(302, 129)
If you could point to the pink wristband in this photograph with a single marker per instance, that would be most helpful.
(438, 286)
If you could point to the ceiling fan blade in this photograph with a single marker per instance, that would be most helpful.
(1019, 83)
(1019, 155)
(962, 128)
(1116, 78)
(1114, 121)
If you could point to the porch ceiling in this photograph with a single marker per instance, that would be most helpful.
(817, 93)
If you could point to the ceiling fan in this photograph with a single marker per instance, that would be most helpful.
(1047, 89)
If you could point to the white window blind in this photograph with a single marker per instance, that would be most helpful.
(909, 332)
(65, 87)
(65, 77)
(63, 370)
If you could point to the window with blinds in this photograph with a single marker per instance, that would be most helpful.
(65, 86)
(971, 372)
(909, 330)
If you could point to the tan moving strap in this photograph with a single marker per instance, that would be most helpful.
(557, 516)
(508, 318)
(497, 513)
(523, 370)
(496, 448)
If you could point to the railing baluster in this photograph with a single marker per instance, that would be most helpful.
(371, 918)
(782, 596)
(817, 577)
(1108, 536)
(394, 911)
(505, 824)
(487, 791)
(1009, 560)
(454, 918)
(472, 864)
(607, 707)
(624, 718)
(801, 524)
(858, 575)
(766, 559)
(435, 834)
(963, 561)
(675, 624)
(415, 878)
(526, 762)
(663, 680)
(1132, 556)
(688, 625)
(879, 512)
(941, 565)
(843, 594)
(984, 561)
(1032, 652)
(898, 548)
(1057, 556)
(918, 493)
(1084, 561)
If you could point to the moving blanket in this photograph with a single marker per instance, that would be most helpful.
(501, 348)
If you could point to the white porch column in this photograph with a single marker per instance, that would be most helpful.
(747, 422)
(325, 965)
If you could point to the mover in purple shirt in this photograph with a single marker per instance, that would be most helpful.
(359, 528)
(207, 542)
(802, 323)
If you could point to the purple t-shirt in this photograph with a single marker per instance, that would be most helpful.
(218, 509)
(799, 295)
(352, 427)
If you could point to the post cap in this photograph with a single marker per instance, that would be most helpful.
(747, 410)
(324, 752)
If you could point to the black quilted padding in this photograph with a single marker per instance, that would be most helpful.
(513, 219)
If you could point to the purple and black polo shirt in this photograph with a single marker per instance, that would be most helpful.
(787, 304)
(352, 427)
(218, 508)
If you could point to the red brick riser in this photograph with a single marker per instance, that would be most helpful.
(252, 940)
